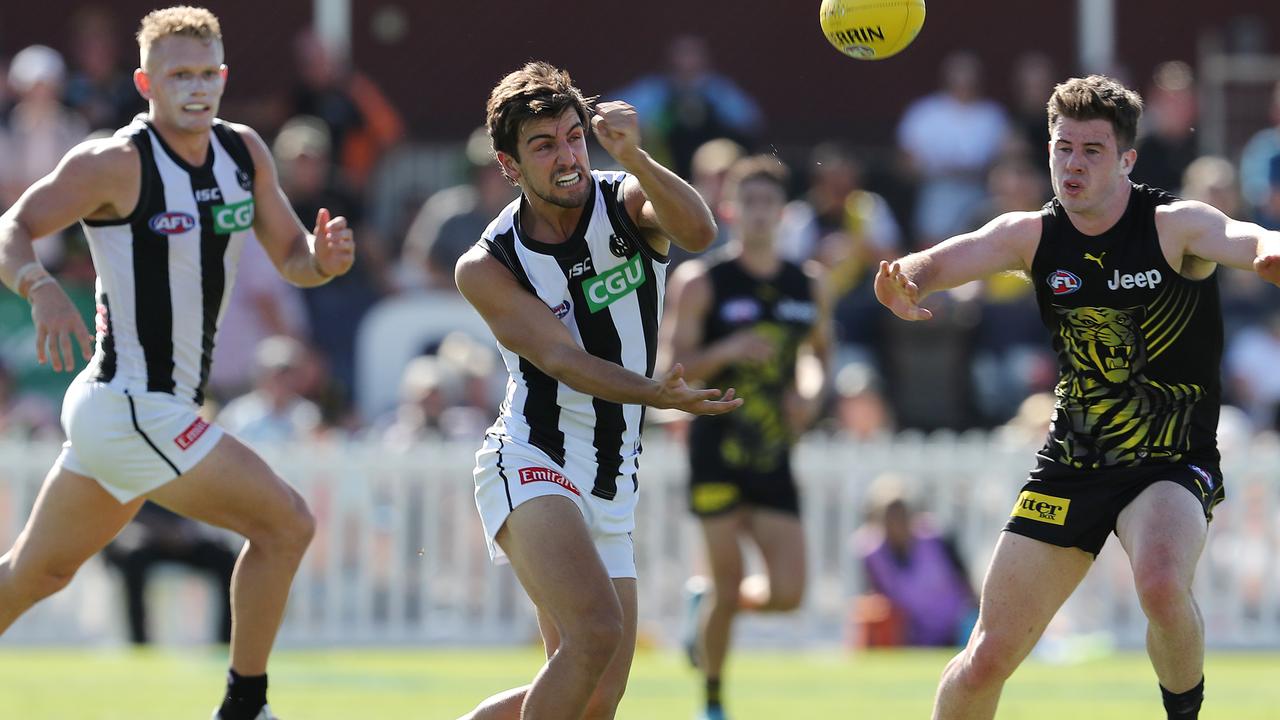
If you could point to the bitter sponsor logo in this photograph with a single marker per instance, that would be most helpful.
(1044, 508)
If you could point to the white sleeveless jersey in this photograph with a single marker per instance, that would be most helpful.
(165, 272)
(606, 284)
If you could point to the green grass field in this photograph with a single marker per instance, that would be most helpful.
(424, 685)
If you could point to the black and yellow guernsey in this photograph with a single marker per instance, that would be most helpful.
(1139, 346)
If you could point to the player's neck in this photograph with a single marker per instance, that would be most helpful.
(547, 222)
(1102, 218)
(758, 259)
(193, 147)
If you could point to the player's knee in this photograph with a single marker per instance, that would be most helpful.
(1163, 594)
(726, 596)
(595, 637)
(786, 596)
(289, 530)
(988, 663)
(38, 583)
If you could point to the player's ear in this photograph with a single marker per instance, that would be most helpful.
(222, 70)
(510, 167)
(142, 83)
(1128, 159)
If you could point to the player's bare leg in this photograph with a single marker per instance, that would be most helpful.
(1027, 582)
(1163, 530)
(233, 488)
(720, 534)
(780, 537)
(73, 519)
(590, 621)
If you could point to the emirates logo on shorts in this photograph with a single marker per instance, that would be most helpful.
(188, 437)
(541, 474)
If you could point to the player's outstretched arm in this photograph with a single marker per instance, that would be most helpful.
(666, 207)
(303, 259)
(524, 325)
(1006, 243)
(97, 179)
(1203, 232)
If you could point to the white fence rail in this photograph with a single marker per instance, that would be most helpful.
(399, 558)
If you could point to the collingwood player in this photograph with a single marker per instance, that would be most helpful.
(166, 205)
(570, 279)
(1124, 277)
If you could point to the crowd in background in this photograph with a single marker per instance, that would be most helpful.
(286, 363)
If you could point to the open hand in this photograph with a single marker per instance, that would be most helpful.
(899, 294)
(675, 393)
(335, 249)
(57, 321)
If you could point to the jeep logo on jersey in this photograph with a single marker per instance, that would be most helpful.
(1148, 279)
(171, 223)
(608, 287)
(235, 217)
(1064, 282)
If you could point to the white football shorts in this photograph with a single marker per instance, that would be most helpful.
(131, 443)
(509, 472)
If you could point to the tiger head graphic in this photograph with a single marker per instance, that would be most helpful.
(1104, 344)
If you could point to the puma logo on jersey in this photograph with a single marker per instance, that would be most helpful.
(1097, 259)
(1147, 279)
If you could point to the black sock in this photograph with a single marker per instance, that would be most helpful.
(245, 696)
(1186, 705)
(713, 692)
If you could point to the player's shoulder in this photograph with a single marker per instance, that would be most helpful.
(108, 157)
(1187, 216)
(253, 142)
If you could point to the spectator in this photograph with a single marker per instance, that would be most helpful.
(23, 414)
(861, 411)
(453, 219)
(711, 163)
(335, 309)
(950, 138)
(41, 130)
(917, 588)
(1251, 371)
(1033, 80)
(689, 105)
(362, 123)
(1169, 145)
(1255, 159)
(156, 536)
(100, 87)
(274, 412)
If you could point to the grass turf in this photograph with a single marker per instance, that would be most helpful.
(41, 684)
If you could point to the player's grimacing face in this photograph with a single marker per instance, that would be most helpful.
(553, 162)
(185, 79)
(1085, 164)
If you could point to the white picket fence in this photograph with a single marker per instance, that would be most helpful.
(399, 558)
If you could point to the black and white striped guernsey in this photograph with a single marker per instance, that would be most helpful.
(165, 272)
(606, 284)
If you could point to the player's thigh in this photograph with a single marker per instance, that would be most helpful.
(721, 534)
(1164, 527)
(553, 555)
(234, 488)
(780, 537)
(73, 518)
(1026, 582)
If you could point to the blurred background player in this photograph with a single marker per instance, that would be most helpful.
(1132, 448)
(166, 204)
(569, 277)
(749, 319)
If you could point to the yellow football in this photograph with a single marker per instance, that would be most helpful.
(871, 29)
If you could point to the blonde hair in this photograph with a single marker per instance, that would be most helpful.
(184, 20)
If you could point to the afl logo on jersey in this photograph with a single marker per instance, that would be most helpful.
(561, 310)
(171, 223)
(1064, 282)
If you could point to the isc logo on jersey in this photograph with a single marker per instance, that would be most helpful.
(610, 286)
(236, 217)
(1063, 282)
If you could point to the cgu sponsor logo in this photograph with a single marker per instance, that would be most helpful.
(236, 217)
(610, 286)
(171, 223)
(1148, 279)
(541, 474)
(188, 437)
(1064, 282)
(1043, 508)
